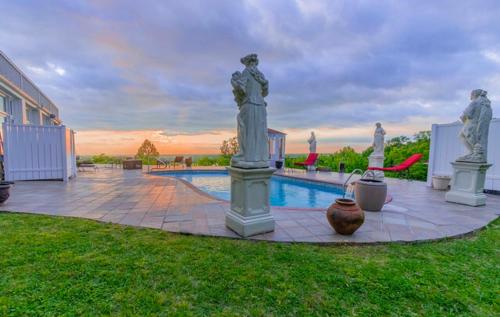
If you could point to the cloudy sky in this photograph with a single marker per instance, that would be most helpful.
(122, 71)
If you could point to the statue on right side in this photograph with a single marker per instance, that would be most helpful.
(474, 134)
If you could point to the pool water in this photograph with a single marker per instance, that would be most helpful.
(285, 191)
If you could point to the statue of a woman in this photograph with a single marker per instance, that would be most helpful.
(474, 134)
(312, 143)
(378, 140)
(249, 89)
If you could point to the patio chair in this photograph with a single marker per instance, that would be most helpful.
(177, 160)
(403, 167)
(83, 167)
(159, 163)
(310, 160)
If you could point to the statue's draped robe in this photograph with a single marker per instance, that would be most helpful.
(312, 144)
(378, 142)
(252, 121)
(476, 124)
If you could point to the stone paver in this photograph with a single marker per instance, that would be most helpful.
(417, 213)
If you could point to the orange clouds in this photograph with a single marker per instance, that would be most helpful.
(115, 142)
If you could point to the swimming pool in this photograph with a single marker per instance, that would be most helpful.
(285, 191)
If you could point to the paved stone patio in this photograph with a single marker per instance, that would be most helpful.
(417, 213)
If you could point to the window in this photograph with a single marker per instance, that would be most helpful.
(32, 115)
(3, 104)
(47, 120)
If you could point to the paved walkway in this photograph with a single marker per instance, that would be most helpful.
(417, 213)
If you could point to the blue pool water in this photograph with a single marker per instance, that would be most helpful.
(285, 191)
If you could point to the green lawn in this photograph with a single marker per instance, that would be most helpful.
(55, 266)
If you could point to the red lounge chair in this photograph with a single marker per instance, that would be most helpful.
(310, 160)
(405, 166)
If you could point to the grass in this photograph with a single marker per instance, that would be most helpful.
(65, 266)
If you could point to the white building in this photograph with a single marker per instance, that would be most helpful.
(276, 141)
(35, 143)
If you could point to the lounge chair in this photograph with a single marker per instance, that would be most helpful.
(82, 167)
(177, 160)
(405, 166)
(159, 163)
(310, 160)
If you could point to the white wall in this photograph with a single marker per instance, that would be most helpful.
(38, 152)
(446, 147)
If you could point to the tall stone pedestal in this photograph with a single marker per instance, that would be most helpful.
(250, 213)
(377, 161)
(467, 183)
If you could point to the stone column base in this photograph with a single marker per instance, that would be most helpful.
(467, 183)
(377, 161)
(250, 212)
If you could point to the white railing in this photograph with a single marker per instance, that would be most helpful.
(17, 77)
(446, 147)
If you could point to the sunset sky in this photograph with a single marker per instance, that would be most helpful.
(124, 71)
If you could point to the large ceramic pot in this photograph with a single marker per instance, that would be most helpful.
(4, 191)
(370, 194)
(345, 216)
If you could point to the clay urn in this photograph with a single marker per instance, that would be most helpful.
(345, 216)
(4, 191)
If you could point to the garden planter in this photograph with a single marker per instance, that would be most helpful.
(370, 194)
(278, 164)
(4, 191)
(440, 182)
(345, 216)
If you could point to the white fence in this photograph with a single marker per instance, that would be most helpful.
(33, 152)
(446, 147)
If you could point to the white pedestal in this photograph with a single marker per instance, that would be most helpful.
(467, 183)
(377, 161)
(250, 213)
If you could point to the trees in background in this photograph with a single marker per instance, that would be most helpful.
(397, 150)
(147, 151)
(230, 146)
(101, 159)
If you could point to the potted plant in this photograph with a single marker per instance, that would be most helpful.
(278, 164)
(4, 191)
(370, 194)
(440, 182)
(188, 161)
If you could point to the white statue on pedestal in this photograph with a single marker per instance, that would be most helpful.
(249, 89)
(476, 118)
(312, 143)
(378, 140)
(469, 171)
(250, 211)
(376, 159)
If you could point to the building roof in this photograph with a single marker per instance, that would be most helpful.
(12, 75)
(272, 131)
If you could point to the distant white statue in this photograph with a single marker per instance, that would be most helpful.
(249, 89)
(312, 143)
(378, 140)
(476, 118)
